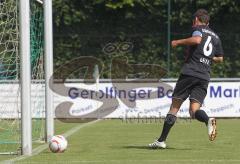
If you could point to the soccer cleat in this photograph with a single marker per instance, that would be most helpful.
(212, 128)
(156, 144)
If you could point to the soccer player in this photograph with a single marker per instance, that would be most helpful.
(204, 47)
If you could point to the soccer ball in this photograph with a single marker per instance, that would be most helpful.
(58, 144)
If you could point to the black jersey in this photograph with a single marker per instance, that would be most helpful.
(199, 58)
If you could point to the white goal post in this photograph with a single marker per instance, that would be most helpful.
(25, 74)
(26, 126)
(48, 48)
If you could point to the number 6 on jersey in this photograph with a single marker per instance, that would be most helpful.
(207, 49)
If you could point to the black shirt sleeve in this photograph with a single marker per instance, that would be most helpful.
(219, 49)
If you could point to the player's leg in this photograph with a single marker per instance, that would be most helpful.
(202, 116)
(197, 113)
(168, 123)
(180, 93)
(197, 96)
(170, 118)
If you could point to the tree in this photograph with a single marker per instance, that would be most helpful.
(84, 28)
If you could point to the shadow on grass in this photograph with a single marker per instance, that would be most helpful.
(147, 148)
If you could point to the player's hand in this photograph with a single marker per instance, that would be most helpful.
(174, 43)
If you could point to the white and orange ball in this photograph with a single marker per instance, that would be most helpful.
(58, 144)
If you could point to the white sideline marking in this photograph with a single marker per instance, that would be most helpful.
(39, 149)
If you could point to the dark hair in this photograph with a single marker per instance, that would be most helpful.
(202, 16)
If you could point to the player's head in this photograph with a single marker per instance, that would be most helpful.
(201, 17)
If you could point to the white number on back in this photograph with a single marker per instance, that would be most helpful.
(207, 49)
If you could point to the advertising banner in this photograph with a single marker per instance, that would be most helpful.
(119, 100)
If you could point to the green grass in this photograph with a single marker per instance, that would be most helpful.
(115, 141)
(10, 137)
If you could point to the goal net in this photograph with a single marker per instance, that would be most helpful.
(10, 110)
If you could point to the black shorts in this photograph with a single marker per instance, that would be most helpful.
(192, 87)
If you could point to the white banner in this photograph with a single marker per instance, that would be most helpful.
(222, 100)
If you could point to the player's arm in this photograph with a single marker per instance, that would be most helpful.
(218, 59)
(187, 42)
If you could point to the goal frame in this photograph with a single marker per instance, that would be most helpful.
(25, 73)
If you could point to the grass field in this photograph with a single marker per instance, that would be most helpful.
(117, 141)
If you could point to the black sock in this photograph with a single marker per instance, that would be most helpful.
(168, 123)
(201, 116)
